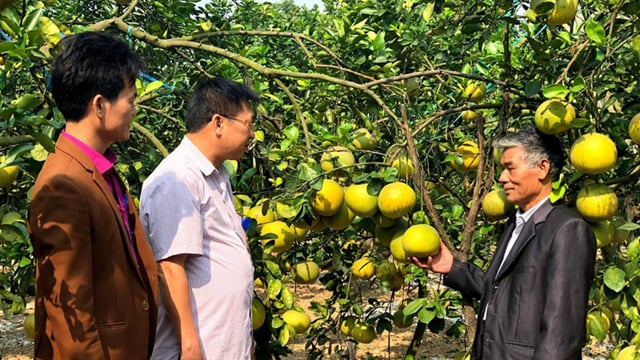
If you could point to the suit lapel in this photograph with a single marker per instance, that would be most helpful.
(526, 235)
(501, 248)
(68, 147)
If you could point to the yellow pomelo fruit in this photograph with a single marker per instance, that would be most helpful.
(634, 129)
(469, 115)
(564, 11)
(258, 313)
(628, 353)
(396, 200)
(363, 140)
(260, 217)
(386, 270)
(468, 151)
(29, 326)
(299, 232)
(8, 175)
(593, 153)
(363, 268)
(342, 219)
(306, 272)
(603, 230)
(475, 91)
(384, 235)
(397, 251)
(399, 319)
(404, 167)
(284, 236)
(496, 206)
(363, 333)
(596, 202)
(421, 240)
(360, 201)
(347, 324)
(299, 320)
(336, 157)
(328, 200)
(554, 116)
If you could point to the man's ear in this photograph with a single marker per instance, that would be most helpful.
(98, 105)
(544, 167)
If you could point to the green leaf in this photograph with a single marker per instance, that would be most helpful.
(287, 297)
(425, 315)
(595, 32)
(414, 306)
(596, 327)
(26, 102)
(633, 249)
(284, 336)
(39, 153)
(614, 279)
(555, 91)
(428, 11)
(274, 289)
(532, 88)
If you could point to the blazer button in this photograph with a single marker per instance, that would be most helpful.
(144, 305)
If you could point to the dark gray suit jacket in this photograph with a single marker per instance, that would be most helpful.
(536, 306)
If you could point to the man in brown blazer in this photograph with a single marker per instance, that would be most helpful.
(96, 279)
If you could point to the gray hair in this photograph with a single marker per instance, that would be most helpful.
(537, 146)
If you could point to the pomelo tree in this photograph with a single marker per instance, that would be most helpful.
(403, 72)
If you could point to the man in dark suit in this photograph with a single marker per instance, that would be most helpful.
(533, 297)
(96, 278)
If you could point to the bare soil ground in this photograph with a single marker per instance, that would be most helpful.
(14, 345)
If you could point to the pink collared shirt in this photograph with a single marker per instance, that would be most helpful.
(105, 165)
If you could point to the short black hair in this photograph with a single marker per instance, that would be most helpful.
(88, 64)
(536, 145)
(217, 96)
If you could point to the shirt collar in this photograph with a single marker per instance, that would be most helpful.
(103, 162)
(529, 213)
(205, 166)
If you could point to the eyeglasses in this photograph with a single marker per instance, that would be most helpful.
(249, 125)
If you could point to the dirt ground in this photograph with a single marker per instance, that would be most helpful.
(14, 345)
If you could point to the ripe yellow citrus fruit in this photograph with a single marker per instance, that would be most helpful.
(468, 151)
(421, 240)
(336, 157)
(384, 235)
(563, 12)
(347, 324)
(496, 206)
(363, 268)
(469, 115)
(306, 272)
(634, 129)
(396, 200)
(29, 326)
(328, 200)
(299, 320)
(284, 236)
(397, 251)
(399, 319)
(363, 140)
(596, 202)
(8, 175)
(628, 353)
(261, 218)
(299, 232)
(342, 219)
(593, 153)
(603, 230)
(383, 221)
(475, 91)
(363, 333)
(360, 201)
(404, 167)
(554, 116)
(258, 313)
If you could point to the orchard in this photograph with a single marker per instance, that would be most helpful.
(373, 142)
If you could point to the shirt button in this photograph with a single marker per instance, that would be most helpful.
(144, 305)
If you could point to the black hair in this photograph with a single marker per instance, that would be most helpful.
(88, 64)
(217, 96)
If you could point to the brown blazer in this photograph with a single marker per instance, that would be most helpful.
(92, 300)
